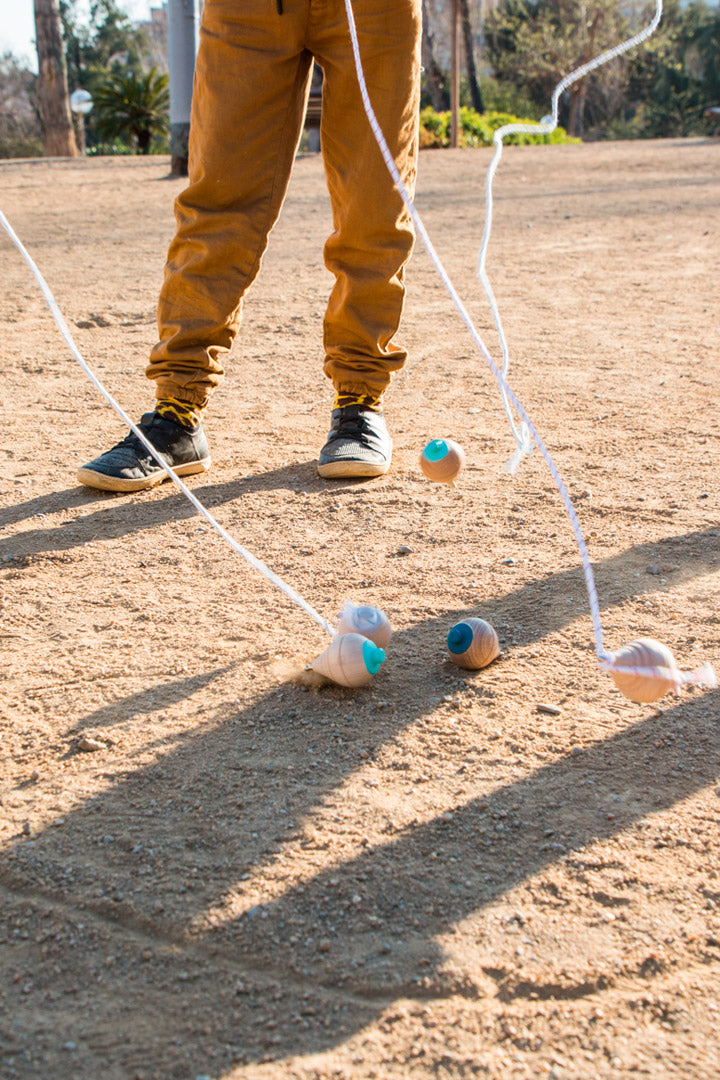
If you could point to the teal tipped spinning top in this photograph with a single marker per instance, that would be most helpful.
(442, 461)
(349, 660)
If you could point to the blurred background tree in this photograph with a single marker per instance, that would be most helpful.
(132, 108)
(107, 43)
(111, 58)
(675, 78)
(513, 53)
(533, 43)
(20, 133)
(661, 88)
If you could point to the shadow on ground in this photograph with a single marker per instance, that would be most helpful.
(183, 890)
(157, 873)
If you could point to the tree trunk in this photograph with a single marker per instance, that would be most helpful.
(434, 75)
(473, 85)
(577, 111)
(53, 97)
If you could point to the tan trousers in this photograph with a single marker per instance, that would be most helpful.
(251, 86)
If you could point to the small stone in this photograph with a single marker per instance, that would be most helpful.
(88, 744)
(324, 945)
(403, 549)
(551, 710)
(509, 562)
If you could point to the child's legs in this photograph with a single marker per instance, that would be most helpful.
(251, 83)
(373, 236)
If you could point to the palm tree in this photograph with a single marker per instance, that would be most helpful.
(132, 106)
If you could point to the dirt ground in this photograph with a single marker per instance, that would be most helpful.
(431, 877)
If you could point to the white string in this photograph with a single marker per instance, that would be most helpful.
(546, 126)
(528, 433)
(246, 555)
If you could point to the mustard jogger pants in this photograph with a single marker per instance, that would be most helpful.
(251, 85)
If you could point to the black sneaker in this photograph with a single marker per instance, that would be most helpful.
(129, 466)
(358, 444)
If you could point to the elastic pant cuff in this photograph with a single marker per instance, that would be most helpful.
(167, 389)
(361, 389)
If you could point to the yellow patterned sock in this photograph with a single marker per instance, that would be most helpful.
(365, 401)
(182, 412)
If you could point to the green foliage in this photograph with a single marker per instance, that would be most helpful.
(534, 45)
(434, 128)
(506, 97)
(132, 108)
(497, 96)
(117, 148)
(97, 50)
(662, 88)
(19, 146)
(107, 43)
(674, 80)
(478, 129)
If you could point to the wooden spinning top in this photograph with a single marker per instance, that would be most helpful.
(349, 660)
(643, 653)
(473, 644)
(363, 619)
(442, 461)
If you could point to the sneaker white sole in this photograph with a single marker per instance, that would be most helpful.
(102, 482)
(346, 470)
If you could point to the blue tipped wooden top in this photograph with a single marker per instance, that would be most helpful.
(436, 450)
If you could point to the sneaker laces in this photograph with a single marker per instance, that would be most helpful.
(132, 442)
(355, 428)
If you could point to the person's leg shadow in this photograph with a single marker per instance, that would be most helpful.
(199, 902)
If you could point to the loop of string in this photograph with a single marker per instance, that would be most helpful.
(527, 433)
(238, 548)
(546, 126)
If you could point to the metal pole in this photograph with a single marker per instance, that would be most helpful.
(455, 76)
(80, 134)
(183, 40)
(81, 104)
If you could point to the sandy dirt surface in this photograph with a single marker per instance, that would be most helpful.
(431, 877)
